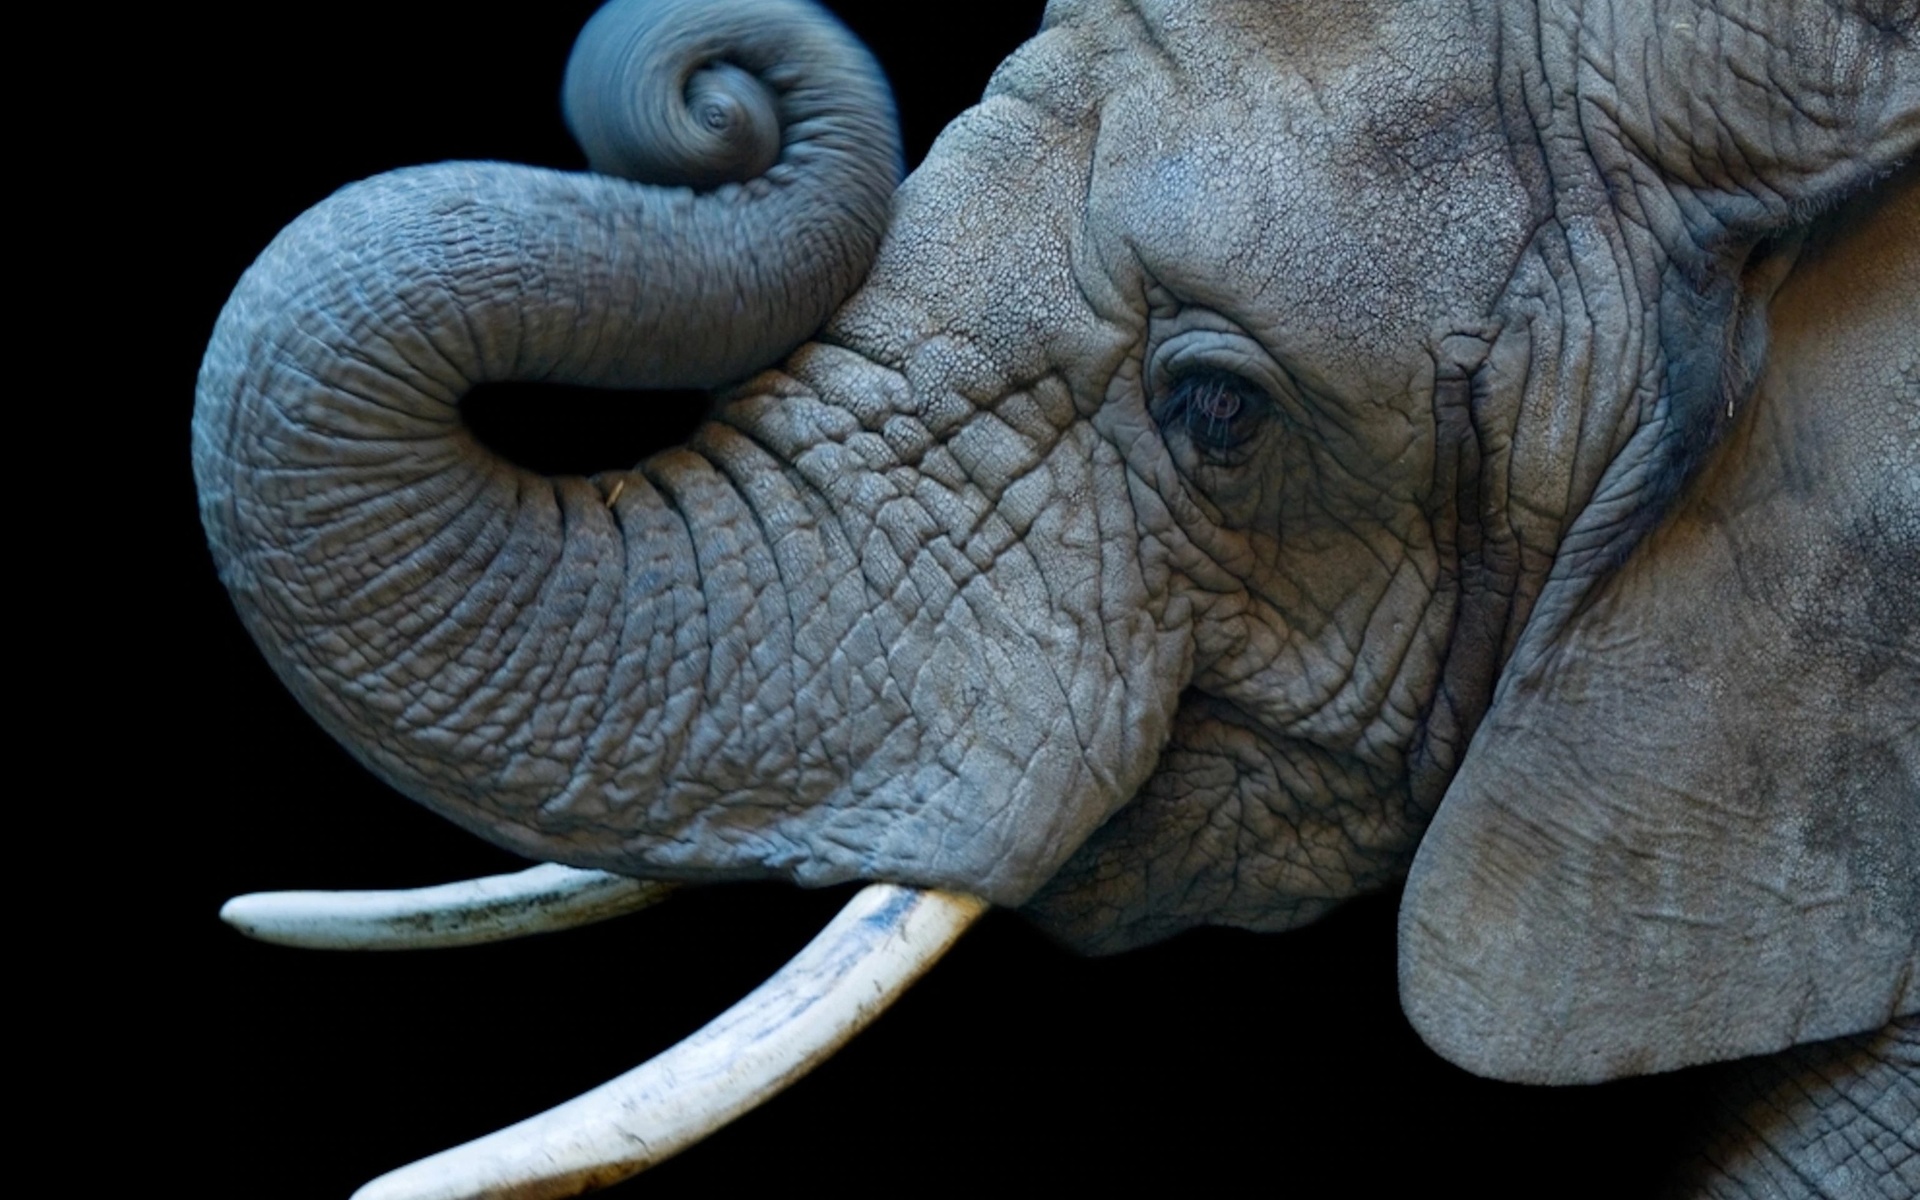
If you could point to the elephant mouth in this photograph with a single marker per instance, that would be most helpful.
(883, 940)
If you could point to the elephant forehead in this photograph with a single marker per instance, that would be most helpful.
(980, 252)
(1341, 210)
(1194, 31)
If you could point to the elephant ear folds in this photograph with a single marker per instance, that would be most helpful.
(1690, 830)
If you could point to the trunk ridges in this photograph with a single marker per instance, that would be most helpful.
(465, 626)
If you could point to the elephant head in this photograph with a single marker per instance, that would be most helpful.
(1274, 450)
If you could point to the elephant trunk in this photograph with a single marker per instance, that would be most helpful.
(516, 651)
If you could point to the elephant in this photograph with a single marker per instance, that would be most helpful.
(1534, 554)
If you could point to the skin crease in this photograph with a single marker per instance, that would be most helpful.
(1096, 1069)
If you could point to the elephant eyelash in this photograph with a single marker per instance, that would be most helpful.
(1219, 412)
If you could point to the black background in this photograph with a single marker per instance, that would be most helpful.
(1219, 1060)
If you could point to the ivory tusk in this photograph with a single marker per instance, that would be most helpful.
(884, 939)
(539, 900)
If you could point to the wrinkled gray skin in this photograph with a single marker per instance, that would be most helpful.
(1560, 556)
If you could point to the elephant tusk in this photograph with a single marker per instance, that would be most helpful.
(884, 939)
(542, 899)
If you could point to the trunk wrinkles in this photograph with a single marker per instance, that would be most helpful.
(512, 650)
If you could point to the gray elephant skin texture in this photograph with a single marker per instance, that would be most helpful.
(1509, 534)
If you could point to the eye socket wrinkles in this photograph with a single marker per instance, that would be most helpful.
(1213, 387)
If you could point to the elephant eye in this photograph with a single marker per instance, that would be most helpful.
(1218, 411)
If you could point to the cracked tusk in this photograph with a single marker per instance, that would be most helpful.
(542, 899)
(883, 940)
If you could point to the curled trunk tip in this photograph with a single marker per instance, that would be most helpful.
(693, 94)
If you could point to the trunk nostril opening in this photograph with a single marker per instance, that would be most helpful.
(555, 429)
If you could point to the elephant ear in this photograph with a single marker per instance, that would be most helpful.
(1689, 828)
